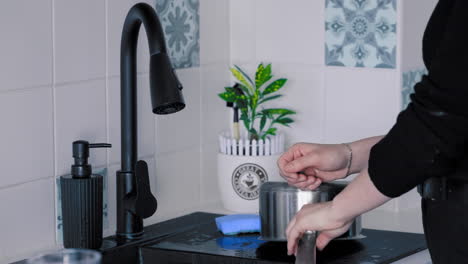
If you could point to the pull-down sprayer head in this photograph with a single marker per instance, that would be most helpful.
(166, 96)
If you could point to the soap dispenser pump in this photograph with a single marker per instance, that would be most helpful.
(82, 193)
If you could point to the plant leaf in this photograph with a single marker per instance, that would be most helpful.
(269, 98)
(278, 111)
(263, 122)
(245, 74)
(284, 121)
(238, 92)
(271, 131)
(227, 96)
(274, 86)
(242, 89)
(241, 102)
(242, 78)
(254, 99)
(245, 118)
(262, 75)
(253, 133)
(244, 115)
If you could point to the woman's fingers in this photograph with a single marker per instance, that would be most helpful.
(315, 185)
(300, 164)
(308, 182)
(290, 225)
(322, 240)
(293, 236)
(283, 161)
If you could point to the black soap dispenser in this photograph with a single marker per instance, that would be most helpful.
(82, 200)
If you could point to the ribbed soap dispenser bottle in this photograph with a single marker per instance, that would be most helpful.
(82, 200)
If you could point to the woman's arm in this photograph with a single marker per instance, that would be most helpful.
(430, 136)
(361, 149)
(333, 218)
(307, 165)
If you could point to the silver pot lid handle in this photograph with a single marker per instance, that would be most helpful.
(306, 248)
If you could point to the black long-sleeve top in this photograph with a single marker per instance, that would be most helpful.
(430, 136)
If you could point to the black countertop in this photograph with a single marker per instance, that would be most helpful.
(193, 238)
(204, 244)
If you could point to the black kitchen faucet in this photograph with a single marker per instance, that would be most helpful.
(134, 198)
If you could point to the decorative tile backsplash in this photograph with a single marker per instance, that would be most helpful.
(58, 204)
(410, 78)
(361, 33)
(180, 21)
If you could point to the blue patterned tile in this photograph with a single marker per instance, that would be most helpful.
(181, 23)
(410, 78)
(360, 33)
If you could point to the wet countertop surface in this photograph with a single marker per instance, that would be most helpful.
(204, 244)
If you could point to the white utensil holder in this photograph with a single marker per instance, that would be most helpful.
(243, 166)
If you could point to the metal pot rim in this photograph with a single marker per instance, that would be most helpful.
(273, 187)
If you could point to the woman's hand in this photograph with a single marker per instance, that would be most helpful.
(332, 219)
(316, 217)
(307, 165)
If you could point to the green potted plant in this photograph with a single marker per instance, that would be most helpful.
(245, 162)
(250, 96)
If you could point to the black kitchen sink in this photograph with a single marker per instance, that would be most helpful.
(204, 244)
(194, 238)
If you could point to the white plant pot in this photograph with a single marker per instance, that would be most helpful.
(240, 177)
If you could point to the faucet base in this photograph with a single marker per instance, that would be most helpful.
(129, 225)
(129, 236)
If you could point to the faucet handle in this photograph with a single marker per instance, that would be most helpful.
(145, 203)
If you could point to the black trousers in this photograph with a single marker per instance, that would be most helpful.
(446, 229)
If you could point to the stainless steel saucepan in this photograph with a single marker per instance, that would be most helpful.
(280, 202)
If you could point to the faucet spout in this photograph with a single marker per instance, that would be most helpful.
(134, 198)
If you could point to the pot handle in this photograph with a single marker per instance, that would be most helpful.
(306, 248)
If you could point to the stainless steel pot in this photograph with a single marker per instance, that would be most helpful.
(280, 202)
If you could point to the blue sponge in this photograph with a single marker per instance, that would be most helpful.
(238, 223)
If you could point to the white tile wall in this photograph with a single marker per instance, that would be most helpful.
(60, 82)
(116, 13)
(288, 32)
(216, 116)
(27, 223)
(113, 118)
(181, 130)
(80, 42)
(80, 114)
(209, 190)
(242, 25)
(413, 27)
(409, 201)
(176, 182)
(303, 93)
(214, 32)
(26, 45)
(359, 103)
(26, 136)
